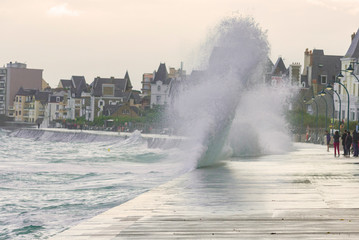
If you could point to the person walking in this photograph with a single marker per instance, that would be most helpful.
(355, 143)
(344, 136)
(348, 143)
(327, 134)
(336, 138)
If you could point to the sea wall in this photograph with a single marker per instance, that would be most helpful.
(69, 135)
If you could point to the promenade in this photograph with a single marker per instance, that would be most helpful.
(305, 194)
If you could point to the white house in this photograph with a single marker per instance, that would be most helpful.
(160, 87)
(350, 80)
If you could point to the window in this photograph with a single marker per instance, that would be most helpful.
(57, 99)
(158, 99)
(323, 79)
(57, 107)
(108, 89)
(158, 88)
(19, 112)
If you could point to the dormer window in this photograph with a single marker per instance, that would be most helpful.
(108, 90)
(57, 99)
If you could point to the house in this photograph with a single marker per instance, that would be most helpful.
(160, 86)
(78, 103)
(278, 74)
(29, 105)
(56, 107)
(350, 79)
(22, 104)
(108, 91)
(319, 69)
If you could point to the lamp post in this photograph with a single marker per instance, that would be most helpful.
(339, 77)
(321, 94)
(303, 104)
(316, 119)
(329, 87)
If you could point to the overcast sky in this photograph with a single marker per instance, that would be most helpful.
(107, 37)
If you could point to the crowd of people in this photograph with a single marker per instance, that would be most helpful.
(349, 143)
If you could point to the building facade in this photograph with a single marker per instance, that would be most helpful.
(160, 86)
(12, 78)
(350, 80)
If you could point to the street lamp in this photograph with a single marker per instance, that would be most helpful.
(329, 88)
(304, 102)
(350, 70)
(338, 81)
(316, 119)
(321, 94)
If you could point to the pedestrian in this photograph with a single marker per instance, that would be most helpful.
(348, 143)
(355, 143)
(344, 136)
(336, 138)
(327, 134)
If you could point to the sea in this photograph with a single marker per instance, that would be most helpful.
(50, 181)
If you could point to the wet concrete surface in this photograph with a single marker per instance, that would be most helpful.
(305, 194)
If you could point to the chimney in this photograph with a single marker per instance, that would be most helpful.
(353, 36)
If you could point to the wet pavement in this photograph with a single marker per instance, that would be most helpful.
(305, 194)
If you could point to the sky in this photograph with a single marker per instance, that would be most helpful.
(109, 37)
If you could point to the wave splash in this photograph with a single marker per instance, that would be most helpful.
(209, 110)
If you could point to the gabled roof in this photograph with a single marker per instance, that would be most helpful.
(161, 74)
(132, 95)
(112, 109)
(43, 97)
(67, 84)
(25, 92)
(119, 83)
(128, 82)
(353, 51)
(77, 80)
(80, 85)
(279, 67)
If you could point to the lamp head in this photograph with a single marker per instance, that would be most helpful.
(322, 93)
(350, 69)
(340, 76)
(329, 87)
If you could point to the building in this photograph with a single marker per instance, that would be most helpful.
(278, 74)
(3, 76)
(56, 107)
(108, 91)
(29, 105)
(160, 86)
(147, 78)
(12, 78)
(319, 69)
(77, 92)
(350, 80)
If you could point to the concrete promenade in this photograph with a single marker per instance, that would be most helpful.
(306, 194)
